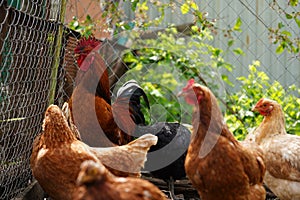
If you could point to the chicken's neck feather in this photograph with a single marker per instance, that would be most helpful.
(273, 124)
(57, 133)
(207, 118)
(96, 79)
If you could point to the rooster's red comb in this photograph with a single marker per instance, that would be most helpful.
(86, 45)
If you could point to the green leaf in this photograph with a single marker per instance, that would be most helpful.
(252, 68)
(238, 51)
(185, 8)
(139, 66)
(280, 25)
(216, 52)
(195, 28)
(297, 21)
(194, 6)
(88, 18)
(134, 4)
(226, 80)
(279, 49)
(286, 33)
(293, 2)
(230, 43)
(288, 16)
(238, 23)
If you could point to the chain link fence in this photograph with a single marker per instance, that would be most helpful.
(28, 35)
(38, 65)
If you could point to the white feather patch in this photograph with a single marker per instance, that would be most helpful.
(41, 153)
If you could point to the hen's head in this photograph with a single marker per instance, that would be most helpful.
(53, 117)
(265, 106)
(84, 48)
(55, 126)
(204, 100)
(90, 172)
(194, 93)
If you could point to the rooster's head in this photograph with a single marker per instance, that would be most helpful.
(84, 49)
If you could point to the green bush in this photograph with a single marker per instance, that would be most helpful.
(163, 66)
(256, 85)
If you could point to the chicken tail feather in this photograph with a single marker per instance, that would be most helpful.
(132, 91)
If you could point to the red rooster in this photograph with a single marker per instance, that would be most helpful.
(218, 166)
(90, 103)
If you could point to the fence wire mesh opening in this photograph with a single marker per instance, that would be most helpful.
(38, 64)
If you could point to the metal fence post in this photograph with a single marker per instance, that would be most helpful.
(58, 49)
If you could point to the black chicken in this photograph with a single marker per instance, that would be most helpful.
(165, 160)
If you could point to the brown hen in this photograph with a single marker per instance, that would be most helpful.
(57, 155)
(97, 184)
(218, 166)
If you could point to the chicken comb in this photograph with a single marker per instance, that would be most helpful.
(86, 45)
(189, 84)
(260, 102)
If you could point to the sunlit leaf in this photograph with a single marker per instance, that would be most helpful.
(288, 16)
(279, 49)
(286, 33)
(293, 2)
(280, 25)
(297, 21)
(238, 51)
(238, 23)
(230, 43)
(194, 6)
(185, 8)
(226, 80)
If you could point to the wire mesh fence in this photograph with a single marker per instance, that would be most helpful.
(38, 64)
(28, 30)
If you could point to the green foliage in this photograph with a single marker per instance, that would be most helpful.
(185, 7)
(256, 85)
(280, 35)
(166, 63)
(85, 28)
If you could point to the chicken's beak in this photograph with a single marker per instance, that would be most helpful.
(180, 94)
(254, 109)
